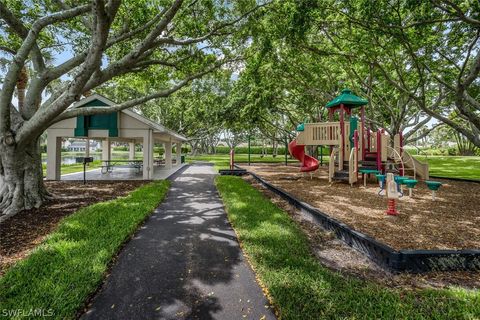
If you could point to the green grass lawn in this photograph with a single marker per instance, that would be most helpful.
(442, 166)
(302, 288)
(73, 168)
(70, 264)
(453, 166)
(222, 161)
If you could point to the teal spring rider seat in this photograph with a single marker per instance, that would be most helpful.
(410, 183)
(433, 186)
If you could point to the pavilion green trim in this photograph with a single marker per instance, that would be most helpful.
(107, 121)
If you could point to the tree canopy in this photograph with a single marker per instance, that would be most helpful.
(223, 68)
(416, 63)
(53, 52)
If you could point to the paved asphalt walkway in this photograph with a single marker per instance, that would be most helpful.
(183, 263)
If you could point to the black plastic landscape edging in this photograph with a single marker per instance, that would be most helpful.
(232, 172)
(415, 261)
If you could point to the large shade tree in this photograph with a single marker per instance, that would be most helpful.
(96, 42)
(417, 62)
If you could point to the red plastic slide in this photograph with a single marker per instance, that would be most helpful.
(298, 152)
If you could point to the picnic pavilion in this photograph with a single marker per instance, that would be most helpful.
(124, 126)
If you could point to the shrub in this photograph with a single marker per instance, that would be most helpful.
(452, 151)
(258, 150)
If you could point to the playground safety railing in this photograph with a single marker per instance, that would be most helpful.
(379, 142)
(322, 133)
(352, 175)
(397, 156)
(385, 141)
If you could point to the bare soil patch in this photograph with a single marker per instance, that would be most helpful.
(22, 232)
(450, 222)
(336, 255)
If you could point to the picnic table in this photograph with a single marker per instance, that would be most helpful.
(108, 165)
(158, 161)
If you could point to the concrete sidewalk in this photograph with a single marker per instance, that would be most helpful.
(183, 263)
(159, 173)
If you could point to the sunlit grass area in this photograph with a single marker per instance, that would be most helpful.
(301, 288)
(453, 166)
(73, 168)
(222, 161)
(441, 166)
(70, 264)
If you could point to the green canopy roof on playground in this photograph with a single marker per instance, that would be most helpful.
(348, 99)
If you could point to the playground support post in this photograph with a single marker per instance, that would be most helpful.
(379, 150)
(355, 145)
(402, 170)
(342, 134)
(362, 110)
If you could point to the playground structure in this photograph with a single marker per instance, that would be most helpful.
(403, 235)
(354, 149)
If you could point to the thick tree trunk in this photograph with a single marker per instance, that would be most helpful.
(194, 146)
(21, 179)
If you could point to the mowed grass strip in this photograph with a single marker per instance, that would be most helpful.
(74, 167)
(453, 166)
(222, 161)
(301, 288)
(69, 265)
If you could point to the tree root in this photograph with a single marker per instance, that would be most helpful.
(13, 199)
(10, 203)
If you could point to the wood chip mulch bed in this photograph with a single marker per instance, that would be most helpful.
(22, 232)
(450, 222)
(337, 256)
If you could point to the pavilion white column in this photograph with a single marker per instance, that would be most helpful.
(131, 150)
(54, 156)
(178, 147)
(148, 155)
(87, 148)
(168, 155)
(106, 150)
